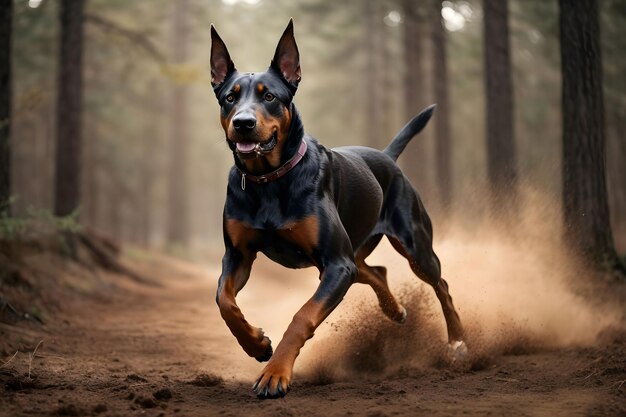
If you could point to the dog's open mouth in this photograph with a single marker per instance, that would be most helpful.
(254, 149)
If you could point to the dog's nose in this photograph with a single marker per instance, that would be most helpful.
(244, 123)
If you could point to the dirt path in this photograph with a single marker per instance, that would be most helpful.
(164, 351)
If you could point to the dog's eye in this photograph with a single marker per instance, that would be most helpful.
(269, 97)
(230, 98)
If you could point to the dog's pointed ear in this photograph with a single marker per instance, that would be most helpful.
(287, 58)
(221, 64)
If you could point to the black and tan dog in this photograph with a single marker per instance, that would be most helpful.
(302, 205)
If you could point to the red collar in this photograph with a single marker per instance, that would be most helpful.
(277, 173)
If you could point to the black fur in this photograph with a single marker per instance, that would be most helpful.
(356, 195)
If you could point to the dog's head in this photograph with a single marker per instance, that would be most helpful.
(256, 107)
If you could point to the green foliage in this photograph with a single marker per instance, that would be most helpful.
(36, 222)
(11, 227)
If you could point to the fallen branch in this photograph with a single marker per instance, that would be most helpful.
(507, 379)
(31, 356)
(46, 356)
(12, 357)
(591, 374)
(620, 384)
(4, 304)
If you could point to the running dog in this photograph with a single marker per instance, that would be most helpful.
(302, 205)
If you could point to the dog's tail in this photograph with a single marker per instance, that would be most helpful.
(404, 136)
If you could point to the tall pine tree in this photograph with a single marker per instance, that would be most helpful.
(69, 109)
(585, 203)
(501, 158)
(6, 18)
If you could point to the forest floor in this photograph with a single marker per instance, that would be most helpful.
(115, 347)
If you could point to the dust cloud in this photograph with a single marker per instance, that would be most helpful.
(516, 289)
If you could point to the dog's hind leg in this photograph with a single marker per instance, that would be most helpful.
(376, 277)
(426, 267)
(413, 240)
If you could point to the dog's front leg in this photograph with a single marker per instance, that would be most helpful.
(236, 267)
(335, 280)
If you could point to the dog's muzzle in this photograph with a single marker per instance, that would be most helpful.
(259, 149)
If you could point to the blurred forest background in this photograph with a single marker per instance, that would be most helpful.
(154, 159)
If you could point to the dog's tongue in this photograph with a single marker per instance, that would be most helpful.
(245, 146)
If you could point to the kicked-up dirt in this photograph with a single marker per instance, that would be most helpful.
(117, 347)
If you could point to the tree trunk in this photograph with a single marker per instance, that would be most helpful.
(585, 206)
(178, 176)
(69, 109)
(372, 74)
(89, 212)
(443, 151)
(415, 158)
(616, 176)
(149, 170)
(501, 160)
(6, 18)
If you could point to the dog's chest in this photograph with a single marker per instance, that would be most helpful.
(293, 245)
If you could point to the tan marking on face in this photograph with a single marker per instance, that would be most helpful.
(260, 87)
(266, 126)
(225, 122)
(285, 123)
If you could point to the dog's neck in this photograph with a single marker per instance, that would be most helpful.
(266, 163)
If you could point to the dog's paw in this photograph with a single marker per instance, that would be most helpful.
(402, 318)
(457, 351)
(268, 350)
(397, 314)
(273, 382)
(259, 347)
